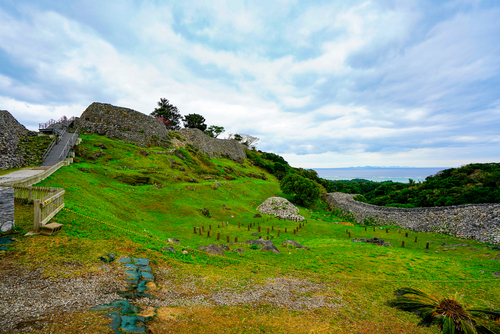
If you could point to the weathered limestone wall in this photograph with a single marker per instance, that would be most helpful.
(6, 208)
(124, 124)
(214, 147)
(10, 131)
(476, 221)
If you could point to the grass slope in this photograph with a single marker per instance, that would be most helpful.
(105, 213)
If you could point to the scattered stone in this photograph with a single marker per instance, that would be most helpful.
(270, 248)
(110, 258)
(376, 241)
(459, 245)
(169, 249)
(174, 240)
(255, 233)
(257, 215)
(213, 249)
(225, 207)
(293, 243)
(496, 274)
(239, 250)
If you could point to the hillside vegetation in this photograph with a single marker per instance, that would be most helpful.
(128, 201)
(470, 184)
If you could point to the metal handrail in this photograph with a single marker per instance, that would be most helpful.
(68, 146)
(52, 144)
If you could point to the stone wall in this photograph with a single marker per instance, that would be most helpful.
(10, 131)
(476, 221)
(214, 147)
(124, 124)
(6, 208)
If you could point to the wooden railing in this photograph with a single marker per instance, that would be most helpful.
(30, 193)
(47, 208)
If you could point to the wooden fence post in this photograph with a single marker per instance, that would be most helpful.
(194, 230)
(38, 213)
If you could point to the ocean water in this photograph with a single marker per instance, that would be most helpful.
(378, 174)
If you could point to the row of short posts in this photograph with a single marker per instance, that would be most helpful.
(198, 230)
(399, 231)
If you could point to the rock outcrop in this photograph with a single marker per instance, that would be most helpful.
(124, 124)
(214, 147)
(10, 133)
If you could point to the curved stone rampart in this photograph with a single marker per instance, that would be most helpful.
(124, 124)
(474, 221)
(214, 147)
(10, 131)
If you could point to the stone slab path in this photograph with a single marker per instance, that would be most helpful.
(21, 174)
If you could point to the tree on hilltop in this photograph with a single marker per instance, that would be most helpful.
(195, 121)
(168, 114)
(214, 130)
(244, 139)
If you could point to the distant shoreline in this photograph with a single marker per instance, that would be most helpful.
(379, 174)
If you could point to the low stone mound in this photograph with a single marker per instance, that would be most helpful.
(124, 124)
(280, 207)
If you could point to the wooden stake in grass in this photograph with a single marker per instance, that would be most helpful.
(415, 239)
(194, 230)
(365, 228)
(272, 228)
(402, 244)
(203, 228)
(427, 245)
(236, 239)
(208, 234)
(374, 229)
(386, 230)
(267, 237)
(259, 228)
(268, 230)
(406, 234)
(239, 224)
(248, 227)
(349, 234)
(209, 227)
(218, 236)
(293, 231)
(199, 230)
(285, 230)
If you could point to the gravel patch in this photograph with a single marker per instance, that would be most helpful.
(289, 293)
(26, 296)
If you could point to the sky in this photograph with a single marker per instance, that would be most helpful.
(325, 84)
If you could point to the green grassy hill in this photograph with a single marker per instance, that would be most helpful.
(127, 200)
